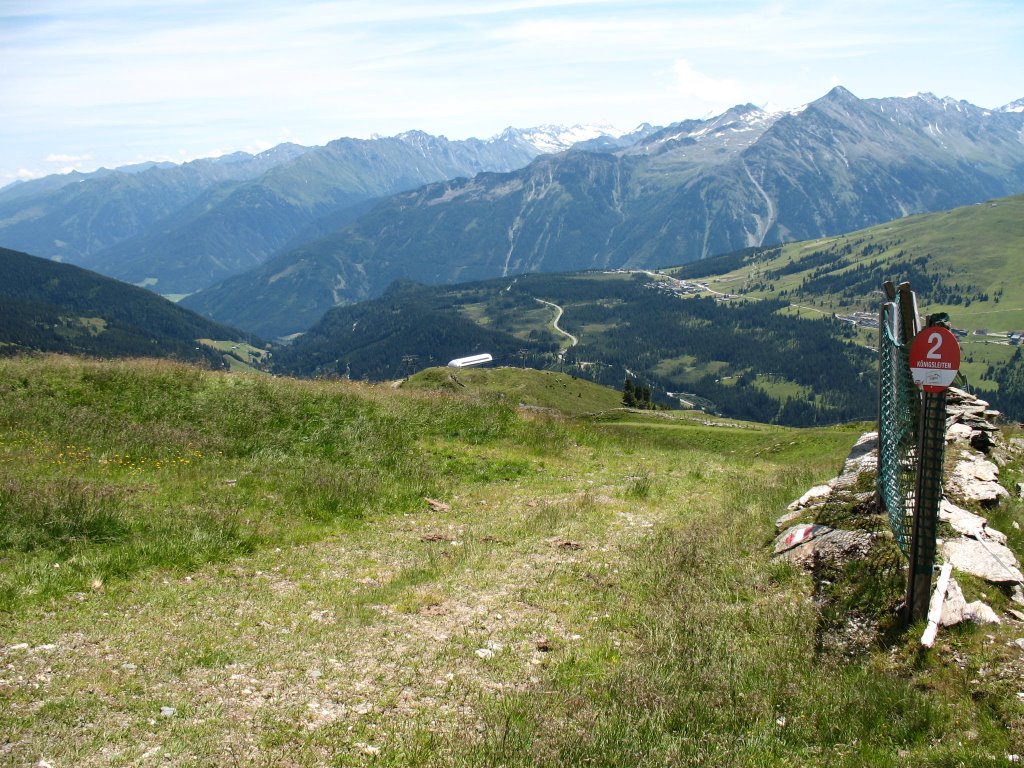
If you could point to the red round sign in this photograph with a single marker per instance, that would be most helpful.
(934, 358)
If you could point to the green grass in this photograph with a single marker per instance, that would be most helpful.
(976, 245)
(257, 555)
(238, 355)
(108, 469)
(542, 389)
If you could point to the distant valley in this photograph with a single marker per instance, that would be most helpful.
(724, 262)
(773, 334)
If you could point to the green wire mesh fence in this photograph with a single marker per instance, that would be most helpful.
(897, 425)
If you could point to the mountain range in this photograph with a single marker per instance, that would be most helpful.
(694, 189)
(179, 228)
(270, 242)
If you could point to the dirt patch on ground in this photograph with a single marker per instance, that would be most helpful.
(408, 626)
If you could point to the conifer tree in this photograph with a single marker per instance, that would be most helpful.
(628, 394)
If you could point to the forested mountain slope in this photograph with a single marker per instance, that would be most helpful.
(51, 307)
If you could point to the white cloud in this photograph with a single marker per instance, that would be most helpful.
(704, 88)
(116, 79)
(76, 159)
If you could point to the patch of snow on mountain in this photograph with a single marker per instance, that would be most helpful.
(558, 138)
(1013, 106)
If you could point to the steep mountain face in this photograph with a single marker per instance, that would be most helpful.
(843, 164)
(696, 188)
(179, 229)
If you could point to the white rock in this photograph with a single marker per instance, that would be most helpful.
(168, 711)
(814, 494)
(485, 653)
(798, 534)
(968, 523)
(975, 479)
(788, 518)
(984, 559)
(958, 432)
(981, 613)
(953, 606)
(835, 546)
(863, 457)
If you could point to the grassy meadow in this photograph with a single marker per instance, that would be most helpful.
(551, 390)
(209, 569)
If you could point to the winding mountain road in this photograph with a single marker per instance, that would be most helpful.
(573, 341)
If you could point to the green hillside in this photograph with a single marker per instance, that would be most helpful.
(780, 334)
(50, 307)
(205, 569)
(966, 262)
(525, 386)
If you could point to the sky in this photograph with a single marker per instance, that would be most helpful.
(102, 83)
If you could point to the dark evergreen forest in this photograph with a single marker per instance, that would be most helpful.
(626, 327)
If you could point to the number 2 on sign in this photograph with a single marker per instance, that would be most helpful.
(933, 350)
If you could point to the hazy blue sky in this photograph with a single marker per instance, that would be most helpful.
(85, 83)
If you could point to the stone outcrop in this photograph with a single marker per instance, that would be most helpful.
(970, 420)
(974, 444)
(968, 523)
(984, 559)
(863, 457)
(806, 545)
(975, 479)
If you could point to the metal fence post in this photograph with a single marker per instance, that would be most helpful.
(931, 446)
(931, 449)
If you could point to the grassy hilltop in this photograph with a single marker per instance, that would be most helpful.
(200, 568)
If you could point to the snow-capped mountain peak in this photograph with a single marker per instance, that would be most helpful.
(1013, 106)
(558, 138)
